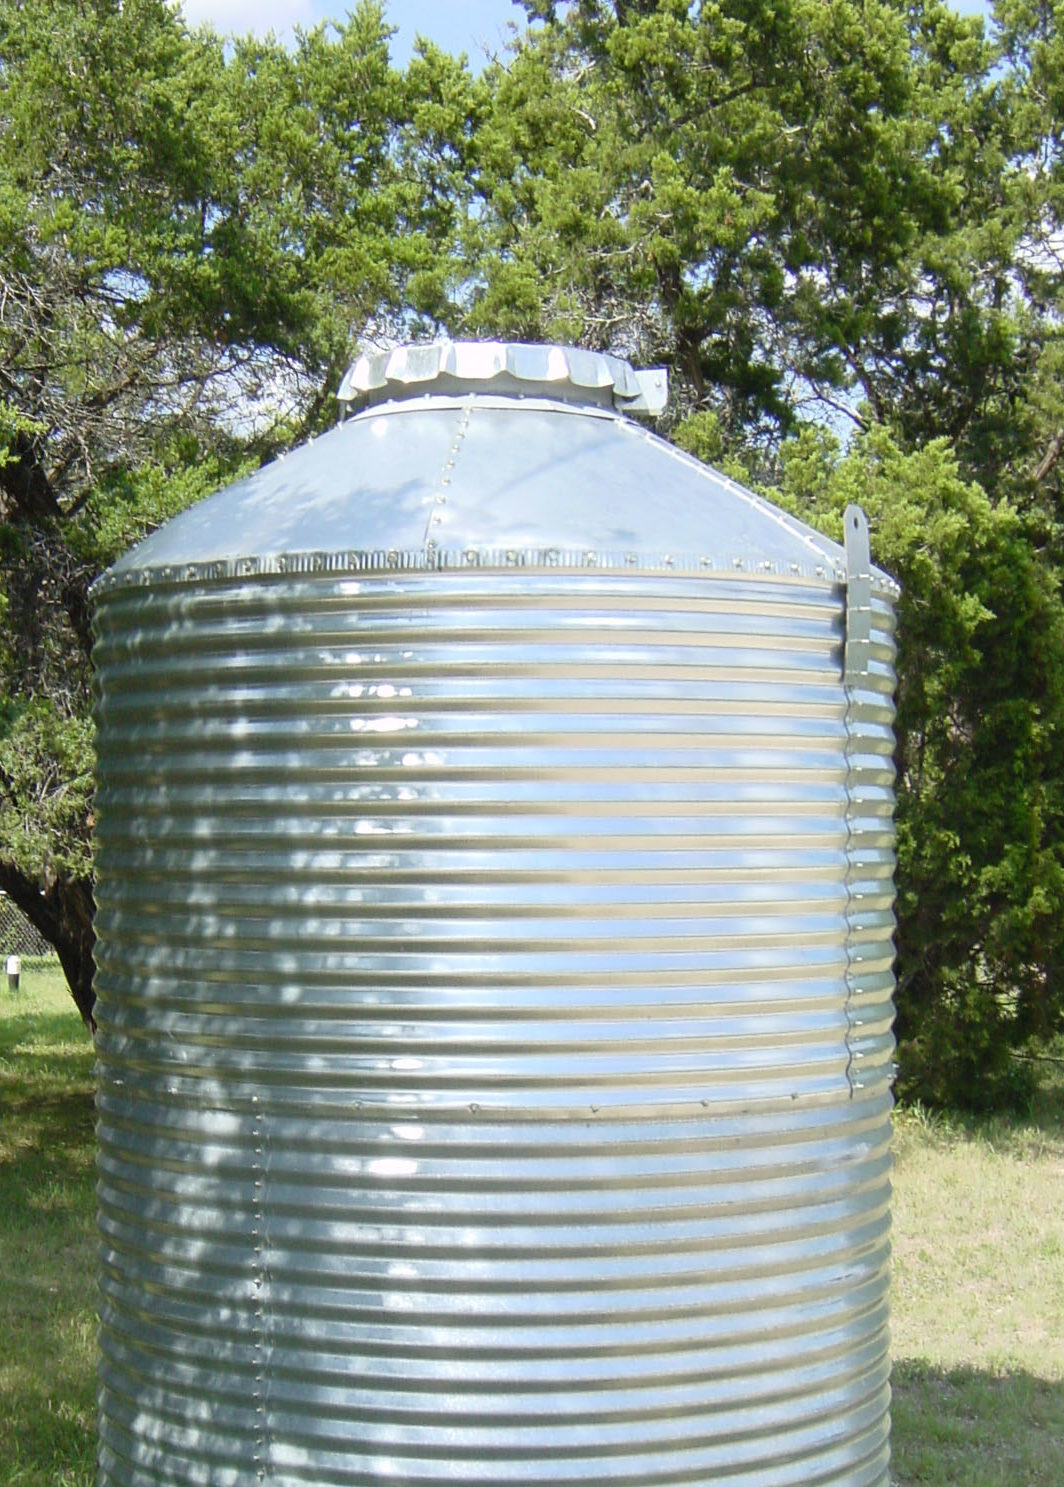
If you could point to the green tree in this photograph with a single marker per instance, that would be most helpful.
(734, 189)
(980, 726)
(823, 215)
(846, 217)
(193, 236)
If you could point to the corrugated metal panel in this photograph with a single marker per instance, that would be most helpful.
(494, 977)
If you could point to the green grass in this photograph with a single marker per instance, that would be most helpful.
(978, 1274)
(978, 1300)
(47, 1237)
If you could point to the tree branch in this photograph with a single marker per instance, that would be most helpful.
(1049, 459)
(62, 912)
(24, 481)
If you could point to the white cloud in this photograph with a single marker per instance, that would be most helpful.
(237, 17)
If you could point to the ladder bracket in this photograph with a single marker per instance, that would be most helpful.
(858, 597)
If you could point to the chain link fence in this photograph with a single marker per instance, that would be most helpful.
(17, 934)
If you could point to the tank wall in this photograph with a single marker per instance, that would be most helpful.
(494, 977)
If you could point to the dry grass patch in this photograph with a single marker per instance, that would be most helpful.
(978, 1301)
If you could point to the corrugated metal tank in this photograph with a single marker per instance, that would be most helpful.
(494, 962)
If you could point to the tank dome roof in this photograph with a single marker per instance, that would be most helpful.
(488, 455)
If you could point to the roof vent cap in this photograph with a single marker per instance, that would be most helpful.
(458, 368)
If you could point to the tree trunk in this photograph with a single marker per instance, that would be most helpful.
(62, 912)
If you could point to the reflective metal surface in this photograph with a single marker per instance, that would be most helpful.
(442, 481)
(494, 995)
(560, 372)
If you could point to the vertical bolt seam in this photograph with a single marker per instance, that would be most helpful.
(446, 475)
(262, 1345)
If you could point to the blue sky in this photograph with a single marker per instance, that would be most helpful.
(471, 26)
(458, 25)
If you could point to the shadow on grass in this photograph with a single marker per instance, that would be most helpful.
(47, 1134)
(975, 1427)
(1048, 1108)
(45, 1045)
(47, 1253)
(1036, 1133)
(49, 1435)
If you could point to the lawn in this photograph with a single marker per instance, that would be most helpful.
(978, 1274)
(47, 1237)
(978, 1300)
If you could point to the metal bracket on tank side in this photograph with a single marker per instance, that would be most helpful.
(858, 596)
(653, 396)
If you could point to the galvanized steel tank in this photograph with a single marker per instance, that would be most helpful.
(494, 962)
